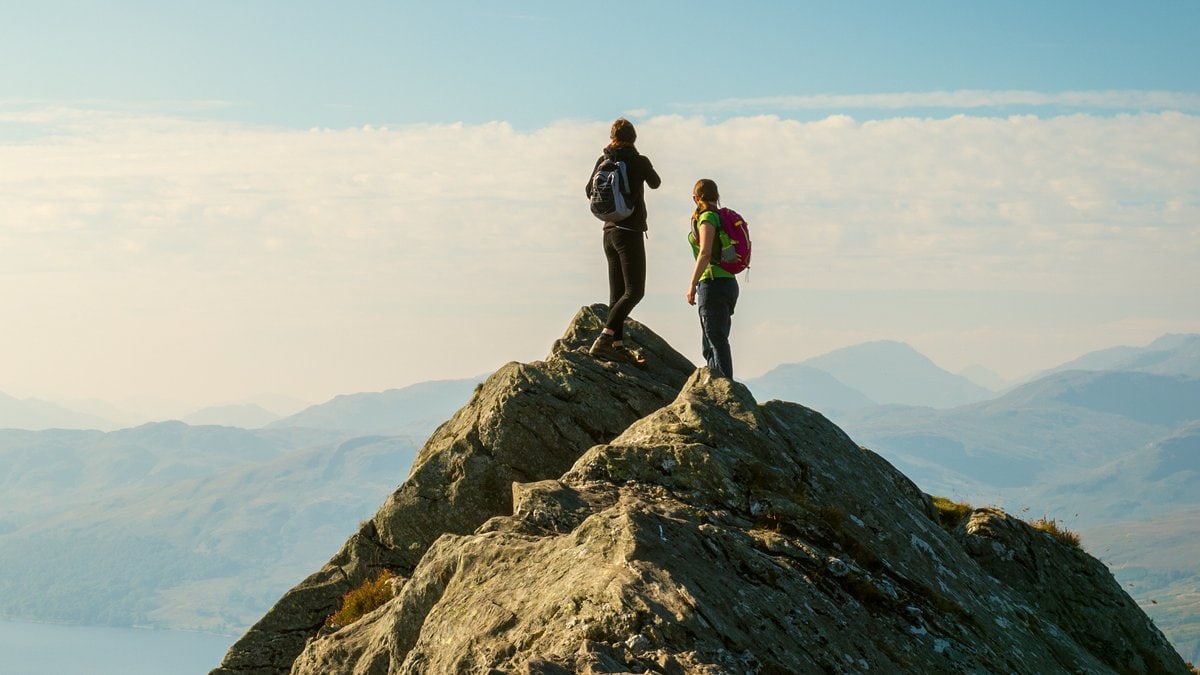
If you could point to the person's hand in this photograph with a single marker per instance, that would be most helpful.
(691, 295)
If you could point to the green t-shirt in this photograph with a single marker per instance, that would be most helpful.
(714, 270)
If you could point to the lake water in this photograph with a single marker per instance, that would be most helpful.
(43, 649)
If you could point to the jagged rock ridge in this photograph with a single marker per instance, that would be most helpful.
(716, 535)
(526, 422)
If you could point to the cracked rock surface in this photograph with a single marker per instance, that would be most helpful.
(704, 534)
(526, 422)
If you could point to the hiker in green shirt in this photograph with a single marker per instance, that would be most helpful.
(713, 289)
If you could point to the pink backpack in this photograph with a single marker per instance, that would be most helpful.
(736, 256)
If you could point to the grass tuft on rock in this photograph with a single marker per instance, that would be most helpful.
(1050, 527)
(362, 600)
(950, 513)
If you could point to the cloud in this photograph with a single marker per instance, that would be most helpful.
(204, 260)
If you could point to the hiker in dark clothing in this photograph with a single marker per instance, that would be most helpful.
(624, 245)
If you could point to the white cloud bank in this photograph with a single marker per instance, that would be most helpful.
(173, 260)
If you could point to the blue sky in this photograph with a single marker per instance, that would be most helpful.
(210, 202)
(304, 64)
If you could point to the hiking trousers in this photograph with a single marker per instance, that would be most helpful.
(716, 299)
(626, 254)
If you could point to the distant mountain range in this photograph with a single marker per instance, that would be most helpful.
(243, 415)
(169, 515)
(1172, 354)
(148, 526)
(865, 376)
(1042, 432)
(404, 410)
(845, 380)
(1105, 442)
(409, 410)
(30, 413)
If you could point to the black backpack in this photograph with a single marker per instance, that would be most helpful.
(612, 200)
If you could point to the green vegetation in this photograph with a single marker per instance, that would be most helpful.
(1050, 527)
(950, 513)
(370, 595)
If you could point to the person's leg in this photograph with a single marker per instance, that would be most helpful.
(626, 254)
(703, 302)
(716, 311)
(616, 283)
(730, 290)
(631, 251)
(616, 279)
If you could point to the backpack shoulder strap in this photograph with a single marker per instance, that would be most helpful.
(717, 230)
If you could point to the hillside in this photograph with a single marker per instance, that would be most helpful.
(1168, 355)
(242, 415)
(173, 526)
(1044, 432)
(890, 372)
(577, 516)
(860, 377)
(31, 413)
(412, 410)
(819, 389)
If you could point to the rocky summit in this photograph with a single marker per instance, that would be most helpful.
(585, 517)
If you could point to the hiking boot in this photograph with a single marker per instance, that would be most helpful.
(604, 350)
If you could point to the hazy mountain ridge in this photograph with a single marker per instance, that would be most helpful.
(175, 526)
(242, 415)
(985, 377)
(798, 382)
(1171, 354)
(395, 411)
(175, 516)
(1155, 479)
(1045, 431)
(861, 376)
(35, 414)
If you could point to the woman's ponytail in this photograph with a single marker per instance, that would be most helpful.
(707, 197)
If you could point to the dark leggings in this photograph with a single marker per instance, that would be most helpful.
(626, 253)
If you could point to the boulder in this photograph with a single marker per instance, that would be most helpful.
(525, 423)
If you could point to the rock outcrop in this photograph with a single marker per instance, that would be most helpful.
(708, 534)
(527, 422)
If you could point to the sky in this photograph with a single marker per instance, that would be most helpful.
(221, 202)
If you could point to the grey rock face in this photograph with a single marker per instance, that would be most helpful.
(704, 534)
(1068, 590)
(526, 422)
(716, 535)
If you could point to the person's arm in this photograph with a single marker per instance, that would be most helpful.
(652, 178)
(703, 259)
(587, 190)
